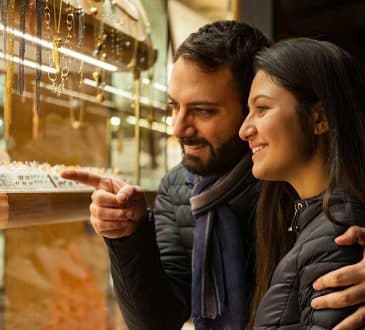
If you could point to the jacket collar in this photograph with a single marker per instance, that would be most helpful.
(305, 211)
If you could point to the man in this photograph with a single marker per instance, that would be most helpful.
(151, 260)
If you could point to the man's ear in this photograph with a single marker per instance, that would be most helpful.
(320, 121)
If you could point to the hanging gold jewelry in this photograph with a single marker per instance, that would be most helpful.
(81, 26)
(81, 74)
(23, 4)
(9, 70)
(99, 75)
(76, 123)
(59, 62)
(35, 117)
(100, 84)
(4, 10)
(38, 72)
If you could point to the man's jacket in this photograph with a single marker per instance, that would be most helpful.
(151, 270)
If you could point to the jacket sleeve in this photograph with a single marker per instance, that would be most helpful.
(318, 257)
(153, 290)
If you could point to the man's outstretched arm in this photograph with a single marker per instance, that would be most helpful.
(148, 297)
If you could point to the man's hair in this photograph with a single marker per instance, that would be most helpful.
(225, 43)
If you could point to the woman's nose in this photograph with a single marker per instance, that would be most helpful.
(247, 130)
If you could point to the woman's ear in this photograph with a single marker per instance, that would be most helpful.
(320, 121)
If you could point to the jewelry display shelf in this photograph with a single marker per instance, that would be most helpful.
(30, 195)
(28, 208)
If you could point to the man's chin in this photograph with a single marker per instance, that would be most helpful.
(195, 165)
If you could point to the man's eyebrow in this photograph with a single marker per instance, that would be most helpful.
(204, 102)
(197, 102)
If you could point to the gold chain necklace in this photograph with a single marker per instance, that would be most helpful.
(99, 74)
(60, 74)
(9, 70)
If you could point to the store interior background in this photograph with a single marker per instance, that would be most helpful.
(53, 268)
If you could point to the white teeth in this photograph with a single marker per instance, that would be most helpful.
(257, 149)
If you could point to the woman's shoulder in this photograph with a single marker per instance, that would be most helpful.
(343, 211)
(346, 210)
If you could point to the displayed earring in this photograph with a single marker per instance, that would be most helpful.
(100, 84)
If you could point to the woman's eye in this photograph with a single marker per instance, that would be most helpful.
(262, 107)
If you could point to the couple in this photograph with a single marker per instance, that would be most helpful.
(304, 126)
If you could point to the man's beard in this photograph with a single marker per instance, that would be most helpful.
(220, 160)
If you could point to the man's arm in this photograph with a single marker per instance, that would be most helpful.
(149, 299)
(352, 277)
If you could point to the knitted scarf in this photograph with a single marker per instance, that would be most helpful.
(219, 284)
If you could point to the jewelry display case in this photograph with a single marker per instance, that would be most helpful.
(78, 88)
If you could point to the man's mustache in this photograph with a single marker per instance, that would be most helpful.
(193, 142)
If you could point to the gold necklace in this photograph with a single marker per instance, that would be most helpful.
(60, 74)
(9, 70)
(99, 74)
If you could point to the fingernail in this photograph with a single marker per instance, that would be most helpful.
(315, 286)
(314, 304)
(128, 214)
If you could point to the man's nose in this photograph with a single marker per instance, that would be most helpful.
(248, 129)
(183, 124)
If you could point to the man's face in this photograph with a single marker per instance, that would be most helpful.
(207, 114)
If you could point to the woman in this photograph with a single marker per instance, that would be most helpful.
(306, 130)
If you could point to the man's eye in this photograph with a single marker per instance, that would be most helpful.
(203, 111)
(171, 106)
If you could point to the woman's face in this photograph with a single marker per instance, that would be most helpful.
(280, 147)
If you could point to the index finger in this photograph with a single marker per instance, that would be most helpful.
(353, 235)
(347, 275)
(90, 179)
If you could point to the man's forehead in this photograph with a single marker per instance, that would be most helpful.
(187, 78)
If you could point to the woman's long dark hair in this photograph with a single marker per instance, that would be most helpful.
(314, 72)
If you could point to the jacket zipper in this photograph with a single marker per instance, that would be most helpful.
(294, 223)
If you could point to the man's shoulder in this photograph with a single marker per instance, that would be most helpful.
(174, 187)
(177, 175)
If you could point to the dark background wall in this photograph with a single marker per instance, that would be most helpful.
(339, 21)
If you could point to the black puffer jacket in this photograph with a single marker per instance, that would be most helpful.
(151, 270)
(286, 305)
